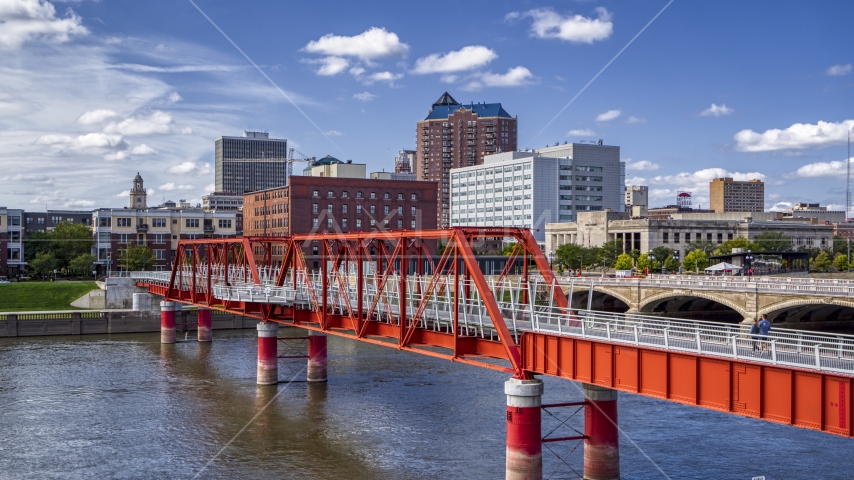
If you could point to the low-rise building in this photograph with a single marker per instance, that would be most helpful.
(222, 201)
(816, 211)
(159, 228)
(329, 166)
(47, 221)
(12, 262)
(728, 195)
(393, 176)
(595, 228)
(636, 196)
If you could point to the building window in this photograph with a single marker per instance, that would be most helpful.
(328, 223)
(314, 208)
(192, 222)
(224, 223)
(709, 237)
(385, 223)
(158, 222)
(315, 250)
(315, 193)
(329, 208)
(344, 194)
(159, 238)
(413, 197)
(358, 209)
(676, 237)
(123, 222)
(688, 237)
(400, 210)
(344, 223)
(386, 209)
(330, 194)
(400, 224)
(29, 220)
(102, 222)
(400, 196)
(358, 223)
(373, 223)
(358, 194)
(373, 194)
(103, 237)
(387, 195)
(122, 238)
(373, 209)
(412, 224)
(344, 208)
(160, 254)
(314, 221)
(413, 210)
(720, 238)
(41, 221)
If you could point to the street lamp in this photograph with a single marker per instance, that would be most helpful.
(552, 259)
(676, 258)
(54, 274)
(748, 259)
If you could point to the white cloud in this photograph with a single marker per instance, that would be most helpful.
(383, 77)
(513, 78)
(209, 188)
(364, 96)
(123, 155)
(645, 165)
(174, 97)
(716, 111)
(96, 116)
(585, 132)
(158, 123)
(608, 116)
(371, 44)
(703, 177)
(190, 168)
(123, 193)
(171, 186)
(572, 28)
(466, 58)
(798, 136)
(839, 70)
(780, 207)
(821, 169)
(25, 20)
(135, 67)
(330, 66)
(333, 133)
(636, 120)
(356, 71)
(142, 149)
(636, 181)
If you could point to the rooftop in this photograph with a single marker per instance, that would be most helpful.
(445, 106)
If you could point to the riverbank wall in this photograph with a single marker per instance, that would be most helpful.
(88, 322)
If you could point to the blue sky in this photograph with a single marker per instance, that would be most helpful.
(93, 91)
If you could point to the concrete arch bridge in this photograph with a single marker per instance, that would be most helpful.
(788, 301)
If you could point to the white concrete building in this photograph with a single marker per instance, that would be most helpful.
(637, 196)
(532, 188)
(11, 237)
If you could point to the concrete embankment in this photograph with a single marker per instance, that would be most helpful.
(85, 322)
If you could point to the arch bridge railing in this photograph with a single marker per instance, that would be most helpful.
(826, 287)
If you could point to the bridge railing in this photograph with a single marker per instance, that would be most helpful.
(795, 348)
(831, 288)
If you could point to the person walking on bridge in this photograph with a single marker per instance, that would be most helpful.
(754, 335)
(764, 329)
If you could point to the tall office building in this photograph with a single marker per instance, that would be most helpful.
(250, 163)
(454, 136)
(637, 196)
(728, 195)
(531, 189)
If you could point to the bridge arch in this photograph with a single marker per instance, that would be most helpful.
(581, 290)
(812, 309)
(649, 304)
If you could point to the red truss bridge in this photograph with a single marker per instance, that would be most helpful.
(389, 289)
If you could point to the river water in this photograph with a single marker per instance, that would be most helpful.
(125, 406)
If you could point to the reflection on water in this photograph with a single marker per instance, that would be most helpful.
(125, 406)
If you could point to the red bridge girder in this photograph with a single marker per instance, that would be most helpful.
(391, 253)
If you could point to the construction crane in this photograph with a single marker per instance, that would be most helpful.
(291, 160)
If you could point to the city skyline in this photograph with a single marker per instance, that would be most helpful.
(96, 91)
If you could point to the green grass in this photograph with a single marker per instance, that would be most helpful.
(27, 296)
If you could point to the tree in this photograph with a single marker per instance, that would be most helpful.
(706, 246)
(136, 257)
(36, 242)
(575, 256)
(772, 242)
(624, 262)
(81, 264)
(840, 262)
(671, 265)
(740, 242)
(609, 252)
(70, 240)
(44, 262)
(635, 254)
(696, 260)
(840, 245)
(822, 261)
(660, 254)
(508, 249)
(644, 262)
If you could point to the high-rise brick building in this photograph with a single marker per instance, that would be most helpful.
(455, 135)
(728, 195)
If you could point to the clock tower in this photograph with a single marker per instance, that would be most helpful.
(137, 194)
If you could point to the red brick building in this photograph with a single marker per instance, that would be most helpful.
(329, 204)
(455, 135)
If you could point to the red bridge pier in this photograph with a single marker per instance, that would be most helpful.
(316, 371)
(601, 443)
(167, 322)
(268, 353)
(205, 320)
(524, 429)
